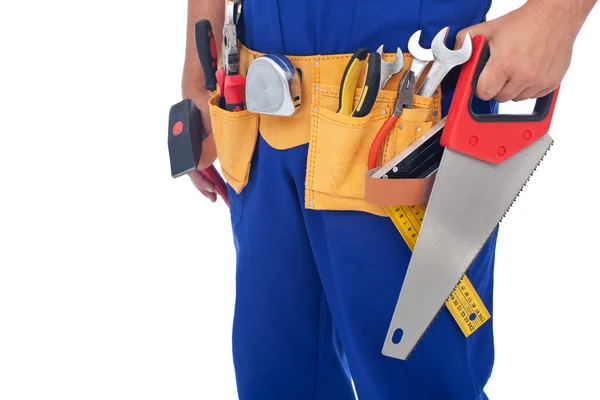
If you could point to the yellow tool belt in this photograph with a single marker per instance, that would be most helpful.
(338, 144)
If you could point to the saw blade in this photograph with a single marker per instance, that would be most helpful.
(469, 198)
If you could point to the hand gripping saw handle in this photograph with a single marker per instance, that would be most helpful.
(487, 160)
(491, 137)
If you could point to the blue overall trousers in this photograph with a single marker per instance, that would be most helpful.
(315, 290)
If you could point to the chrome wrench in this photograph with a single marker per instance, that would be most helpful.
(445, 60)
(421, 56)
(389, 68)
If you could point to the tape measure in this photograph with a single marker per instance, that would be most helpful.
(464, 303)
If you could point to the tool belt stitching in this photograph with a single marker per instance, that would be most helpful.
(335, 177)
(383, 94)
(234, 116)
(315, 57)
(360, 121)
(421, 102)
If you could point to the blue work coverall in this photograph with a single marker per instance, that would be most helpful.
(316, 289)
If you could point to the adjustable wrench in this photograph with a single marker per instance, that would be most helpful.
(421, 56)
(389, 68)
(445, 60)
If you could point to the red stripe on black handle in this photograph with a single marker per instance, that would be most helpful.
(207, 52)
(492, 138)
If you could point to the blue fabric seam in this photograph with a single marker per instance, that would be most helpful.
(467, 353)
(317, 363)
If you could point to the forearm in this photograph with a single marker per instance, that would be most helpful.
(570, 14)
(214, 11)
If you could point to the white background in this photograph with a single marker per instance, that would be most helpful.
(117, 282)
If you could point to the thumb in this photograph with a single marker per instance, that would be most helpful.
(486, 29)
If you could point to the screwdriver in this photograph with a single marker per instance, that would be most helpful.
(207, 53)
(206, 48)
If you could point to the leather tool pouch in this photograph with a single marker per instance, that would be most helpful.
(339, 148)
(338, 145)
(235, 135)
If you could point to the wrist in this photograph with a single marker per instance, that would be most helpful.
(196, 93)
(192, 73)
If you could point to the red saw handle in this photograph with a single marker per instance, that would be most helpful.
(492, 137)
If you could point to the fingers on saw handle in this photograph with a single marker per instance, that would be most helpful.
(492, 137)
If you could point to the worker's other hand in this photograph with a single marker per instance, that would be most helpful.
(206, 187)
(209, 151)
(530, 50)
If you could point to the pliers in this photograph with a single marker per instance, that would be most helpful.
(370, 88)
(231, 83)
(404, 99)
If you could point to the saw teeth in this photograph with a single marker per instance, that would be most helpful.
(526, 182)
(501, 219)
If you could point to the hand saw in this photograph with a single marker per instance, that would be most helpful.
(420, 160)
(486, 162)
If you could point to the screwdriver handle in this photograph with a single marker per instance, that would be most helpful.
(207, 52)
(234, 92)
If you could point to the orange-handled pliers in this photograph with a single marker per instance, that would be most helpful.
(406, 90)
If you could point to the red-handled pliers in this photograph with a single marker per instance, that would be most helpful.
(406, 90)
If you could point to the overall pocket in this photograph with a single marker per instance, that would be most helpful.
(235, 135)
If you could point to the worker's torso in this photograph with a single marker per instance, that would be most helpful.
(303, 27)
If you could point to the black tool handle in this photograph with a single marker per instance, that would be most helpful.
(370, 89)
(349, 81)
(207, 52)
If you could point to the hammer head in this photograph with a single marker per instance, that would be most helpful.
(389, 68)
(415, 49)
(448, 56)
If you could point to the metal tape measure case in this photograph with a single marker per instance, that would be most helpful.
(273, 86)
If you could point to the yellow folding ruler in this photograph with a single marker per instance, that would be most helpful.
(464, 303)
